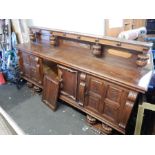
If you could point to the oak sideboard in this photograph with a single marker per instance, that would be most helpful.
(101, 76)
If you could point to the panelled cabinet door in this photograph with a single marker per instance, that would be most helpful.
(94, 95)
(50, 91)
(68, 78)
(114, 101)
(108, 100)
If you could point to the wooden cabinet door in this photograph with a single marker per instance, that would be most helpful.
(50, 91)
(94, 95)
(114, 101)
(105, 99)
(68, 78)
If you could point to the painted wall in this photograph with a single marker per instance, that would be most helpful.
(83, 25)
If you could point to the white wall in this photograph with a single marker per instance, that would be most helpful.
(90, 25)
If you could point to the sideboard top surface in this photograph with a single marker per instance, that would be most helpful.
(81, 59)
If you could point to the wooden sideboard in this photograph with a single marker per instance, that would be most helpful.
(101, 76)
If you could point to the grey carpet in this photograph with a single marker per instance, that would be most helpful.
(34, 117)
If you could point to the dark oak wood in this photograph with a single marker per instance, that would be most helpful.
(100, 76)
(50, 90)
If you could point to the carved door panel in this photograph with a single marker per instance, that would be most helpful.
(50, 91)
(68, 78)
(114, 100)
(94, 95)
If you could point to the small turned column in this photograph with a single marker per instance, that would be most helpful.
(96, 50)
(53, 40)
(142, 59)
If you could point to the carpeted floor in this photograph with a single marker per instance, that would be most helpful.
(35, 118)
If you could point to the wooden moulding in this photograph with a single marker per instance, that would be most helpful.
(110, 41)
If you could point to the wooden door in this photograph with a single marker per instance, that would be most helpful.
(50, 91)
(114, 102)
(94, 95)
(68, 78)
(105, 99)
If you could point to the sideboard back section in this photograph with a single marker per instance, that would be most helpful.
(100, 76)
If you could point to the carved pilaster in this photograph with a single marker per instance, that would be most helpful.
(132, 96)
(82, 87)
(96, 50)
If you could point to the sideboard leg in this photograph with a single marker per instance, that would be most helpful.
(37, 89)
(91, 120)
(107, 129)
(29, 84)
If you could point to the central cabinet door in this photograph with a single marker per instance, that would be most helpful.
(68, 79)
